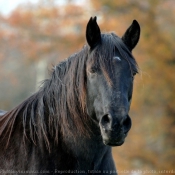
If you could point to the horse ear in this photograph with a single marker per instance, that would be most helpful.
(132, 35)
(93, 34)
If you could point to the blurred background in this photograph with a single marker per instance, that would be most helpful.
(36, 34)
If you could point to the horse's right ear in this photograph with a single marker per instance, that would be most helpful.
(93, 34)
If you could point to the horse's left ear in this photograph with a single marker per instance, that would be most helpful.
(132, 35)
(93, 34)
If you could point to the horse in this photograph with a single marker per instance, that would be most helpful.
(71, 123)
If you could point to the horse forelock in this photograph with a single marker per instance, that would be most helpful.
(104, 53)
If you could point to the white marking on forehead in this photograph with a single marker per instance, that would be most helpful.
(117, 58)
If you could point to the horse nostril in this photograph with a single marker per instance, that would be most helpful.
(127, 124)
(106, 119)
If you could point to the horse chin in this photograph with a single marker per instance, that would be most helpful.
(113, 138)
(113, 143)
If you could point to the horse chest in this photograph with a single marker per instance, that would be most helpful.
(87, 154)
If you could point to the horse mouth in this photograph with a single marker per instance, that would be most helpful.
(113, 143)
(113, 138)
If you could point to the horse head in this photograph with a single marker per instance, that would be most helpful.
(110, 71)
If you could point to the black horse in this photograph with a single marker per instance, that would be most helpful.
(70, 124)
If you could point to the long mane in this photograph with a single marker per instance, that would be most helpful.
(61, 99)
(59, 107)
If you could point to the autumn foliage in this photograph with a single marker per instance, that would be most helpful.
(44, 34)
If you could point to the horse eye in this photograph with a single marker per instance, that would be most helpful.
(93, 70)
(134, 73)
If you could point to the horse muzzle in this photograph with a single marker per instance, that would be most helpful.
(113, 130)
